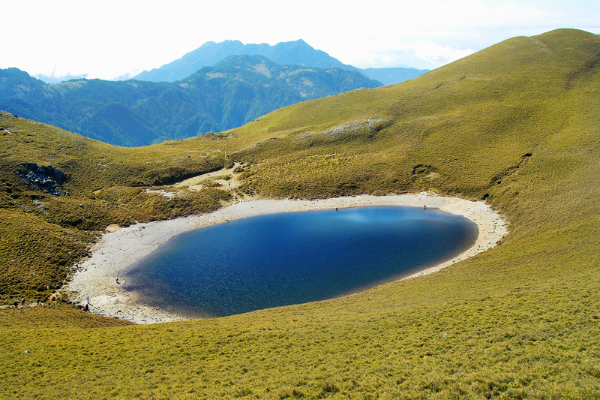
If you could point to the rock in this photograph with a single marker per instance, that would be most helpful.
(45, 178)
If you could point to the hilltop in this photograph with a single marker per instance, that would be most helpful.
(136, 113)
(515, 124)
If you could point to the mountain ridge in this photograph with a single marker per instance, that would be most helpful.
(134, 113)
(285, 53)
(210, 53)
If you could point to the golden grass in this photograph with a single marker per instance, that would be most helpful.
(516, 124)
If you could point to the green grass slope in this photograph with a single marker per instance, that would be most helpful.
(516, 124)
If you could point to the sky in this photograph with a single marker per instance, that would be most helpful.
(117, 39)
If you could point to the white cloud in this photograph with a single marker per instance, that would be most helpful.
(423, 54)
(431, 33)
(438, 55)
(110, 38)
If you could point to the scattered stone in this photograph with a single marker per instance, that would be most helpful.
(370, 124)
(5, 114)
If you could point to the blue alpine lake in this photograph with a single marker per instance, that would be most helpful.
(297, 257)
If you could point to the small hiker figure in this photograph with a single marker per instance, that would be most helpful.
(38, 301)
(87, 307)
(16, 304)
(424, 207)
(23, 301)
(336, 209)
(88, 299)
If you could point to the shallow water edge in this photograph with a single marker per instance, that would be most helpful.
(289, 258)
(120, 249)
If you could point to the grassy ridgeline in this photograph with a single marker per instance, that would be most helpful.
(516, 124)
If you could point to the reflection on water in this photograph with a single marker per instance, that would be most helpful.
(291, 258)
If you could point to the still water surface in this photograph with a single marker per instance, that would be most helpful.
(292, 258)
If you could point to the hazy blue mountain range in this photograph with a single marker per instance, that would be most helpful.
(285, 53)
(134, 113)
(210, 53)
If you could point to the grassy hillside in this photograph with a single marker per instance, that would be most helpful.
(44, 235)
(516, 124)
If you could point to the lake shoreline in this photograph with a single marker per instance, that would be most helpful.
(120, 248)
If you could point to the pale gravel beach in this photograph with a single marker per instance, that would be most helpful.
(120, 248)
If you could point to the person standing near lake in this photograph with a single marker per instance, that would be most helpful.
(16, 304)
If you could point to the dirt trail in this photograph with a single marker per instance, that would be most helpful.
(225, 179)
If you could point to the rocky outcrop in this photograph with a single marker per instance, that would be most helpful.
(44, 177)
(371, 124)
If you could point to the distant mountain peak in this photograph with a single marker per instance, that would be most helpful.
(296, 52)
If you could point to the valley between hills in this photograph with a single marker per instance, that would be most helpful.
(515, 125)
